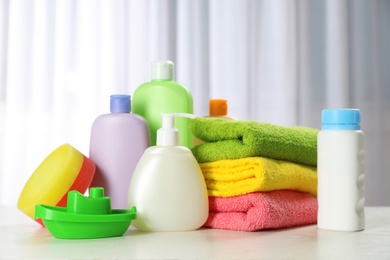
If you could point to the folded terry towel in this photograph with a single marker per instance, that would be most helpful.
(233, 139)
(262, 210)
(226, 178)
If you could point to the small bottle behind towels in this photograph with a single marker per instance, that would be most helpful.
(217, 108)
(340, 168)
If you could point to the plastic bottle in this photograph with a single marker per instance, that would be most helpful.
(217, 108)
(164, 95)
(341, 171)
(118, 141)
(168, 187)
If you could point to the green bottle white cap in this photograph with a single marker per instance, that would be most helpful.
(162, 70)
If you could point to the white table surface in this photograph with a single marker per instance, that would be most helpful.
(22, 238)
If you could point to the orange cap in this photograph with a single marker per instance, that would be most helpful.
(218, 107)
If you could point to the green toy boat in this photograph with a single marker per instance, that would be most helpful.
(86, 217)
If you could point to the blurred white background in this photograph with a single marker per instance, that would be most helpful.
(278, 61)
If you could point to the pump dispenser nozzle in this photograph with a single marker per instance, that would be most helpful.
(168, 135)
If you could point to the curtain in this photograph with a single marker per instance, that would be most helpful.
(279, 61)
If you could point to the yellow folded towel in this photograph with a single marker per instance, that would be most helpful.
(227, 178)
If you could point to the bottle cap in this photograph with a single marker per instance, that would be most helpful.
(218, 107)
(168, 135)
(340, 119)
(162, 70)
(120, 104)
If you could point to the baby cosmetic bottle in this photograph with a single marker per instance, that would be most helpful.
(217, 108)
(340, 168)
(168, 187)
(118, 141)
(164, 95)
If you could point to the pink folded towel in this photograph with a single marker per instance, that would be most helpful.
(262, 210)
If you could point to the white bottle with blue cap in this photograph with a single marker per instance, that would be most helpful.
(340, 167)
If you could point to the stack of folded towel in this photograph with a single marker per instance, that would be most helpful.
(258, 175)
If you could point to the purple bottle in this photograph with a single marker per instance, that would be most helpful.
(118, 141)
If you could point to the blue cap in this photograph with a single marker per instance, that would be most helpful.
(340, 119)
(120, 104)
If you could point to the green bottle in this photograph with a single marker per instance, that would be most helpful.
(163, 95)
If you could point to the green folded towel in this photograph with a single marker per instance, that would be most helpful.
(234, 139)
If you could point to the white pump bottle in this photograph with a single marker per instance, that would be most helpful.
(168, 187)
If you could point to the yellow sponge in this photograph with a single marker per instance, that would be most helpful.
(65, 169)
